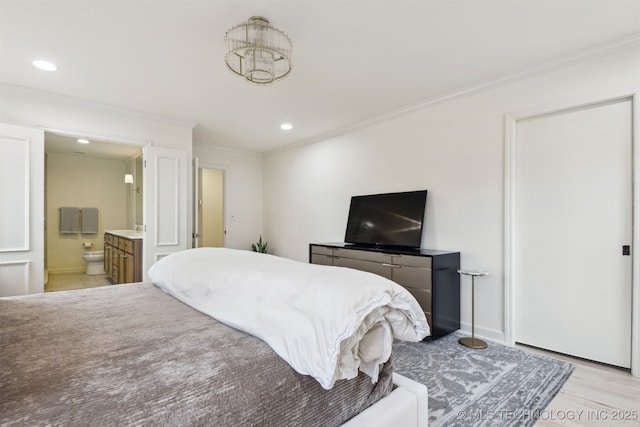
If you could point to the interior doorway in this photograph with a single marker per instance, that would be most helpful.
(87, 173)
(571, 249)
(210, 222)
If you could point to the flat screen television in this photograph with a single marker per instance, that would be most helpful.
(392, 219)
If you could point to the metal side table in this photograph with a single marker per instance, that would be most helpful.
(473, 342)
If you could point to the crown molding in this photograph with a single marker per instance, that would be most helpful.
(107, 107)
(593, 53)
(232, 150)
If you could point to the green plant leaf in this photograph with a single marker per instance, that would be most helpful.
(260, 246)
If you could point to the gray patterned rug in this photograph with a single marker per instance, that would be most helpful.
(498, 386)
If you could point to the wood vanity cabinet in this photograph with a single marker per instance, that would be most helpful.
(430, 276)
(108, 255)
(122, 258)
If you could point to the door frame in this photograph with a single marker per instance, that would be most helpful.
(510, 131)
(112, 140)
(225, 185)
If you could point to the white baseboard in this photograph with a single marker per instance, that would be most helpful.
(487, 334)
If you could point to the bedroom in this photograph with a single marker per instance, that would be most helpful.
(446, 135)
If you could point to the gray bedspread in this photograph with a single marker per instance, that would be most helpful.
(132, 355)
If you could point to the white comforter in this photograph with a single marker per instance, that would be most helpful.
(327, 322)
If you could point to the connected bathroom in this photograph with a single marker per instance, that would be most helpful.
(90, 187)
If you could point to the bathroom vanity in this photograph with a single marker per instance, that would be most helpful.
(123, 255)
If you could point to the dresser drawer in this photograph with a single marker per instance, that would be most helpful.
(412, 261)
(413, 277)
(321, 259)
(108, 239)
(368, 266)
(363, 255)
(321, 250)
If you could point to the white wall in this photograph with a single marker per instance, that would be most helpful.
(33, 108)
(454, 148)
(37, 109)
(82, 182)
(243, 192)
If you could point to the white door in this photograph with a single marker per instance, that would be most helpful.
(573, 215)
(165, 204)
(21, 210)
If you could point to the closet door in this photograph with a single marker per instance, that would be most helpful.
(21, 210)
(573, 232)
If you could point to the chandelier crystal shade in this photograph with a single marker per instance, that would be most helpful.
(258, 51)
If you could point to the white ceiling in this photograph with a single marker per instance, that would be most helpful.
(67, 145)
(353, 60)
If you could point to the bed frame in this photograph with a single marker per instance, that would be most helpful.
(407, 405)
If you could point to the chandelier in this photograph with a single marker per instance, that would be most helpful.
(258, 51)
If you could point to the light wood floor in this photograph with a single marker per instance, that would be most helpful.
(594, 395)
(72, 281)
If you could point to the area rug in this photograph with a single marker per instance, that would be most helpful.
(497, 386)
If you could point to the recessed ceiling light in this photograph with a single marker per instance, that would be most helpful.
(286, 126)
(83, 141)
(45, 65)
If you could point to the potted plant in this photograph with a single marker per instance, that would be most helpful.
(260, 246)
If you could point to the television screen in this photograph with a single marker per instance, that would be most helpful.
(393, 219)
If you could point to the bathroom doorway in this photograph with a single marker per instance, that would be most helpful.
(209, 227)
(86, 175)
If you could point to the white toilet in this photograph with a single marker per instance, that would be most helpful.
(95, 262)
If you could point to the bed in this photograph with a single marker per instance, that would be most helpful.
(134, 355)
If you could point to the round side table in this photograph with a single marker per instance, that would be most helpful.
(473, 342)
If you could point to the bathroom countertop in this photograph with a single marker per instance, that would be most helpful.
(128, 234)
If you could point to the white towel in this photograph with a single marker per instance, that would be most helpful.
(69, 220)
(89, 220)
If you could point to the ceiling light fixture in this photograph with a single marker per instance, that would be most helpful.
(258, 51)
(286, 126)
(45, 65)
(83, 141)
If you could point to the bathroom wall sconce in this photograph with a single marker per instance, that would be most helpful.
(128, 179)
